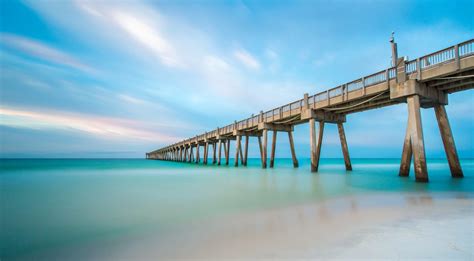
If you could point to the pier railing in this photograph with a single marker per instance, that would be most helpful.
(446, 55)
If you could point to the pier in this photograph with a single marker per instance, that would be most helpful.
(424, 82)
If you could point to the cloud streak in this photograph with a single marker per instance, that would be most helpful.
(247, 59)
(42, 51)
(99, 126)
(149, 37)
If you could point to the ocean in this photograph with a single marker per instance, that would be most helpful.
(148, 209)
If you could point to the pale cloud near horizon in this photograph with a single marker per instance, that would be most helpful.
(105, 127)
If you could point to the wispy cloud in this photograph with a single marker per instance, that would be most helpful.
(130, 99)
(42, 51)
(149, 37)
(101, 126)
(247, 59)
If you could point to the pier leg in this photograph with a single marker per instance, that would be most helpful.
(246, 150)
(406, 154)
(225, 147)
(264, 149)
(240, 152)
(261, 150)
(214, 159)
(448, 141)
(315, 144)
(198, 159)
(227, 153)
(292, 148)
(206, 151)
(237, 150)
(417, 142)
(219, 153)
(345, 149)
(272, 155)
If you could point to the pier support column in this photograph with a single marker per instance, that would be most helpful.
(345, 149)
(198, 159)
(315, 144)
(219, 153)
(292, 148)
(214, 159)
(205, 153)
(264, 149)
(237, 150)
(417, 141)
(272, 155)
(246, 150)
(448, 141)
(241, 153)
(406, 154)
(260, 149)
(227, 153)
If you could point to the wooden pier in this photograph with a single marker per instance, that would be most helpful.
(424, 82)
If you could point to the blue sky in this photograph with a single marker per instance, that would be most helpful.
(119, 78)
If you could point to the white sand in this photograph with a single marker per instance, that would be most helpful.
(377, 226)
(384, 226)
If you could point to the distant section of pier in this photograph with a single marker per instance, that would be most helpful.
(424, 82)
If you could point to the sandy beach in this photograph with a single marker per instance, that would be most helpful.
(395, 226)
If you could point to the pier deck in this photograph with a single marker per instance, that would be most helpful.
(424, 82)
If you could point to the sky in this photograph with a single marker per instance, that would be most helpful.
(121, 78)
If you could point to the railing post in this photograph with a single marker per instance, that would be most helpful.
(363, 85)
(456, 56)
(327, 97)
(418, 69)
(305, 101)
(401, 70)
(344, 92)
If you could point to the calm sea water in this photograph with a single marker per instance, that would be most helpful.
(58, 203)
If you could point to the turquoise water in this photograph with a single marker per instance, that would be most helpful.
(49, 204)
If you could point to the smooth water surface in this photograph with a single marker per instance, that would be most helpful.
(49, 204)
